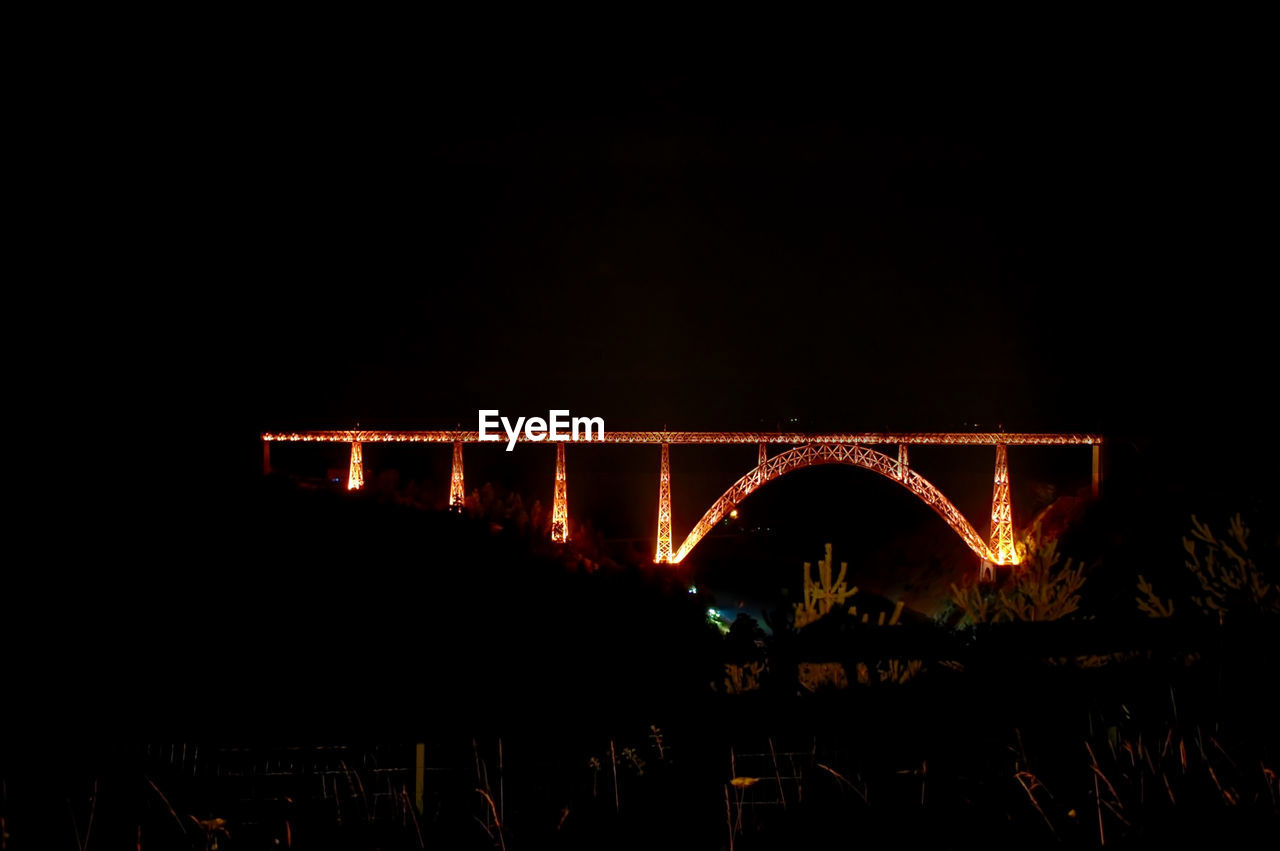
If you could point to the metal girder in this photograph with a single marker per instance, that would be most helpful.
(457, 492)
(812, 455)
(1003, 550)
(709, 437)
(663, 553)
(560, 502)
(355, 470)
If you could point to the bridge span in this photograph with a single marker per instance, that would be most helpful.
(805, 450)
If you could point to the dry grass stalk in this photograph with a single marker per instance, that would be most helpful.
(861, 793)
(497, 822)
(777, 774)
(613, 758)
(728, 815)
(1030, 783)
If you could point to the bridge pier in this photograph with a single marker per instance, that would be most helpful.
(355, 470)
(560, 503)
(663, 554)
(764, 455)
(266, 457)
(1002, 544)
(457, 493)
(903, 462)
(1096, 485)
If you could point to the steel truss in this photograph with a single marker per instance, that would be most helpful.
(855, 455)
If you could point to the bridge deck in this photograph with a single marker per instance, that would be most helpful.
(706, 437)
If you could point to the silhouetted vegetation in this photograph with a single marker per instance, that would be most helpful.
(568, 700)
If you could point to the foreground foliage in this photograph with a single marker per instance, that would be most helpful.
(1037, 590)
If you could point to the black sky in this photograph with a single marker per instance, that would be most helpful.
(722, 251)
(1074, 246)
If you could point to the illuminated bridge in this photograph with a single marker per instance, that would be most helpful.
(803, 450)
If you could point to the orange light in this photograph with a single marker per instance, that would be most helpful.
(560, 501)
(1002, 546)
(663, 554)
(787, 438)
(826, 453)
(804, 449)
(355, 472)
(457, 493)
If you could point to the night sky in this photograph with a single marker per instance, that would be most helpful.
(727, 251)
(1056, 249)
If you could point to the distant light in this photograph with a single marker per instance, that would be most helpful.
(734, 514)
(717, 620)
(693, 589)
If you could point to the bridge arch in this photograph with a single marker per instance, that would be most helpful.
(811, 455)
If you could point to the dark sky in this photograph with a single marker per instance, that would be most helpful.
(724, 251)
(1060, 248)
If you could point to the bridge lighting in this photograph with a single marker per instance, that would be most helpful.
(355, 472)
(560, 501)
(787, 438)
(457, 491)
(1002, 549)
(663, 554)
(823, 453)
(805, 450)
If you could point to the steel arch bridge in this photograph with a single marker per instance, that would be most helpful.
(805, 450)
(811, 455)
